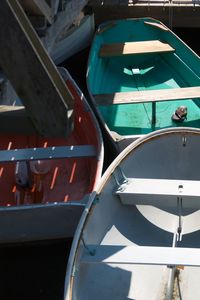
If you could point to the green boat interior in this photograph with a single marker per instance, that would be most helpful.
(143, 64)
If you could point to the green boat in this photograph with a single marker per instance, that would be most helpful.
(142, 77)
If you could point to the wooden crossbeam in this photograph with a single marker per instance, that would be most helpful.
(57, 152)
(127, 48)
(35, 78)
(148, 96)
(109, 254)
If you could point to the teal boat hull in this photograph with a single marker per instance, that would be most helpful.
(113, 73)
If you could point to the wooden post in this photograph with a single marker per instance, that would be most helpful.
(34, 76)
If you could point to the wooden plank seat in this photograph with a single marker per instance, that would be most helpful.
(160, 192)
(148, 96)
(57, 152)
(110, 254)
(127, 48)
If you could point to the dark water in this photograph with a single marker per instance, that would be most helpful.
(190, 37)
(37, 271)
(34, 271)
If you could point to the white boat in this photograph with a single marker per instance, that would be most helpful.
(77, 38)
(139, 236)
(65, 27)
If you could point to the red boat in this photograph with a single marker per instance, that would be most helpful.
(45, 182)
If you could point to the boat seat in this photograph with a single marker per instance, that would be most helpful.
(57, 152)
(160, 192)
(146, 255)
(118, 49)
(148, 96)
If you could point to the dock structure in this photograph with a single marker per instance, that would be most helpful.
(174, 13)
(35, 78)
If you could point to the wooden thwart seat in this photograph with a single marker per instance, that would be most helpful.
(143, 255)
(148, 96)
(160, 192)
(118, 49)
(57, 152)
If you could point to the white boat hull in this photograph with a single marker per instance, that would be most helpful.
(128, 250)
(77, 39)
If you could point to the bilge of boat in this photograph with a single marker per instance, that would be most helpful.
(142, 77)
(45, 182)
(139, 236)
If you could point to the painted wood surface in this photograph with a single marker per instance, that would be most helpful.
(148, 96)
(126, 48)
(33, 75)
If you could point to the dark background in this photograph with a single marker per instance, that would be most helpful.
(37, 271)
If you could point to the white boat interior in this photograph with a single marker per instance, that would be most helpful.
(139, 237)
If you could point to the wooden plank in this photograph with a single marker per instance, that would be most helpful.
(148, 96)
(11, 108)
(127, 48)
(160, 192)
(142, 255)
(35, 78)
